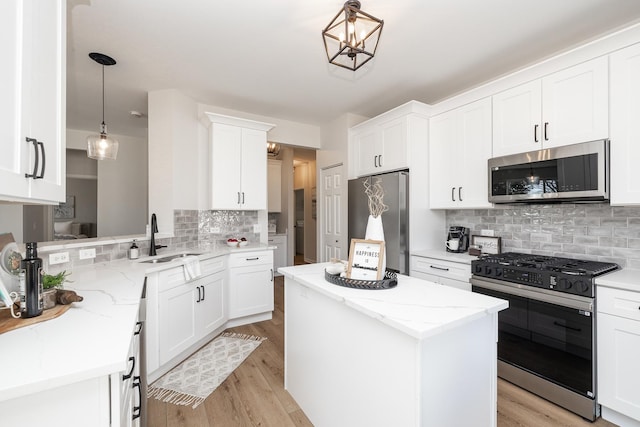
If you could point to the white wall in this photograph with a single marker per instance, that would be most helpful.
(122, 185)
(11, 220)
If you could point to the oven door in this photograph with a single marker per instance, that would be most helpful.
(546, 333)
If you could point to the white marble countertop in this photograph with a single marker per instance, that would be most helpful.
(626, 279)
(442, 254)
(92, 338)
(416, 307)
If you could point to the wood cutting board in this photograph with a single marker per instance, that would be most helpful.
(8, 323)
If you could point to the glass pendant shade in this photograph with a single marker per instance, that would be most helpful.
(351, 38)
(102, 147)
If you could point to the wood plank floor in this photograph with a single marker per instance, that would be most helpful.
(254, 393)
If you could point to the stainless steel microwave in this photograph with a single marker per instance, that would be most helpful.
(578, 172)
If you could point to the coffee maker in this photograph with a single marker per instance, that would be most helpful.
(457, 239)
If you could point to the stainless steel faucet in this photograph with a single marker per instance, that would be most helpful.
(154, 230)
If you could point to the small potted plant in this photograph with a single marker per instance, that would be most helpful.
(51, 283)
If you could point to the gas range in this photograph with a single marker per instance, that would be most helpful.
(566, 275)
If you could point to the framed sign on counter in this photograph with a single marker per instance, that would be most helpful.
(487, 244)
(365, 259)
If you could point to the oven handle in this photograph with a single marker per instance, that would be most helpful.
(564, 300)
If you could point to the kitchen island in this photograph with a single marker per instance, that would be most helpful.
(418, 354)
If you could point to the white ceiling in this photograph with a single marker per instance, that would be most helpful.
(267, 56)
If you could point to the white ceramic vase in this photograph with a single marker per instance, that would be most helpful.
(375, 231)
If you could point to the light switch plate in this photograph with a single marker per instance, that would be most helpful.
(87, 253)
(58, 258)
(214, 230)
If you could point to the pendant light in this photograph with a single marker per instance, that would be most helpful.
(351, 38)
(102, 147)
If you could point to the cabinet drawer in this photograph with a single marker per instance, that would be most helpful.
(246, 259)
(213, 265)
(448, 269)
(170, 278)
(619, 303)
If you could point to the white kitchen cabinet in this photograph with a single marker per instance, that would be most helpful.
(625, 126)
(380, 147)
(238, 159)
(566, 107)
(32, 81)
(443, 272)
(250, 283)
(274, 184)
(618, 349)
(279, 253)
(189, 312)
(459, 147)
(183, 315)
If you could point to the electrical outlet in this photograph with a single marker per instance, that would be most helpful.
(87, 253)
(214, 230)
(256, 228)
(58, 258)
(487, 232)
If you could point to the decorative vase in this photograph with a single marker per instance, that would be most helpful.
(375, 231)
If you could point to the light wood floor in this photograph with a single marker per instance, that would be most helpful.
(254, 393)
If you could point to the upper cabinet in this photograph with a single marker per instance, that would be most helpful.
(566, 107)
(625, 126)
(274, 183)
(32, 81)
(380, 147)
(238, 158)
(459, 147)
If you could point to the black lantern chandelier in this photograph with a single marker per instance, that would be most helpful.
(351, 38)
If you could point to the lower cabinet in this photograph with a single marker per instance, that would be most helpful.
(250, 283)
(618, 349)
(189, 311)
(279, 253)
(443, 272)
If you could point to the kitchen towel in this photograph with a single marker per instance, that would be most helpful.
(197, 377)
(191, 267)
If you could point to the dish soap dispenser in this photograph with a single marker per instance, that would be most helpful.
(133, 251)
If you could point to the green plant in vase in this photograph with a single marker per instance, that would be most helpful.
(51, 283)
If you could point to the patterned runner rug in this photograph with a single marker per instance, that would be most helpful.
(197, 377)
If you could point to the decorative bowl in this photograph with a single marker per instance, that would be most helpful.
(232, 244)
(243, 243)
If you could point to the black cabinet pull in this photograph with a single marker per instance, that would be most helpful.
(438, 268)
(36, 163)
(546, 126)
(453, 197)
(535, 133)
(139, 326)
(272, 274)
(238, 197)
(252, 259)
(137, 409)
(459, 194)
(375, 161)
(199, 295)
(243, 197)
(555, 322)
(202, 293)
(133, 366)
(380, 160)
(44, 161)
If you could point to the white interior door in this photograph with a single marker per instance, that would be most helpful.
(333, 215)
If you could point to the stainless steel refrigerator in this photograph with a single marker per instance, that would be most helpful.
(395, 221)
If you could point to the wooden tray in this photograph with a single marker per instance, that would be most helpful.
(8, 323)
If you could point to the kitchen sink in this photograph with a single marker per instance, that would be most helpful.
(168, 258)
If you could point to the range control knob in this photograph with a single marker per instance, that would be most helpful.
(582, 287)
(488, 270)
(564, 283)
(478, 269)
(498, 272)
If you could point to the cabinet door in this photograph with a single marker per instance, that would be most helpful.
(250, 290)
(625, 126)
(575, 104)
(274, 183)
(443, 144)
(211, 306)
(393, 145)
(178, 327)
(471, 155)
(367, 151)
(44, 93)
(618, 373)
(226, 152)
(517, 118)
(280, 253)
(254, 170)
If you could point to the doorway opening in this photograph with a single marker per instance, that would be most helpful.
(299, 226)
